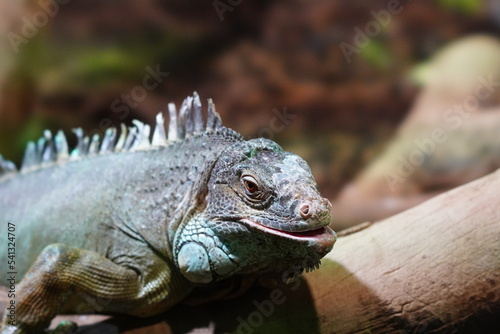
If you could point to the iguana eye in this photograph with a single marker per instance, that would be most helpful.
(250, 184)
(253, 192)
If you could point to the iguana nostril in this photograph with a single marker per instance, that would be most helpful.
(305, 211)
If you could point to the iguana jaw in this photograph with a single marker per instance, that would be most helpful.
(324, 236)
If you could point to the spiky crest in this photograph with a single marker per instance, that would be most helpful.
(187, 123)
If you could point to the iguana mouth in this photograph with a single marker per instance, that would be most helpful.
(323, 235)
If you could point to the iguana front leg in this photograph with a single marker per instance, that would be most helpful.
(61, 272)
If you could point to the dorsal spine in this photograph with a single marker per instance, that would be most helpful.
(183, 124)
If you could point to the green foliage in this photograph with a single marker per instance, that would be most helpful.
(469, 7)
(75, 66)
(377, 54)
(97, 66)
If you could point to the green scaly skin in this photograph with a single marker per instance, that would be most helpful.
(135, 231)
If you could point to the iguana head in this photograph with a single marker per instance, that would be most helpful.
(263, 213)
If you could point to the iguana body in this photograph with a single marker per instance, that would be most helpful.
(133, 227)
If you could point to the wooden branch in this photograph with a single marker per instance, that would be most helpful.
(435, 267)
(432, 269)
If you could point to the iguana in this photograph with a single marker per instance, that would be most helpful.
(131, 226)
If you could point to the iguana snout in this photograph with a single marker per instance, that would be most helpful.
(315, 209)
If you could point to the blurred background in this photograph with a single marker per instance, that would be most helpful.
(390, 102)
